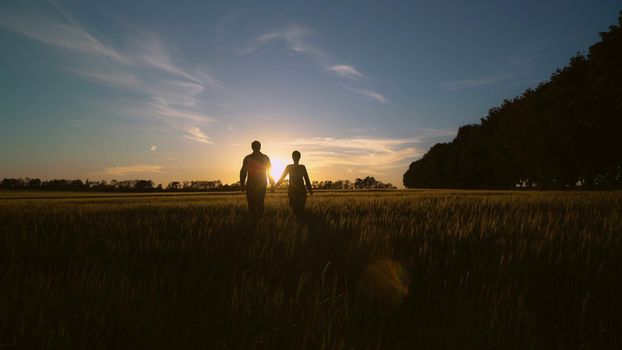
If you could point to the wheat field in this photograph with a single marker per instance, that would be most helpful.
(361, 270)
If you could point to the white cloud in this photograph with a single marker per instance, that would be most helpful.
(114, 78)
(357, 155)
(153, 148)
(346, 71)
(371, 95)
(52, 31)
(362, 156)
(163, 108)
(133, 169)
(151, 51)
(171, 93)
(67, 33)
(195, 134)
(293, 36)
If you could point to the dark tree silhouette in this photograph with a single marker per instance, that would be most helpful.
(564, 133)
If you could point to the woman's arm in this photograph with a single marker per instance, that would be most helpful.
(307, 181)
(285, 172)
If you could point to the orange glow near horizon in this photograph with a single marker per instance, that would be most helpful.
(278, 165)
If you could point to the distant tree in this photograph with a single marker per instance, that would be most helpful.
(358, 183)
(369, 182)
(33, 183)
(100, 186)
(174, 186)
(12, 183)
(143, 185)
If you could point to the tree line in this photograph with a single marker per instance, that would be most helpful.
(368, 182)
(565, 133)
(138, 185)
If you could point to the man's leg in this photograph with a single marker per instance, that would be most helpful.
(250, 200)
(261, 195)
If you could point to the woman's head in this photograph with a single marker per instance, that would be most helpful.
(296, 156)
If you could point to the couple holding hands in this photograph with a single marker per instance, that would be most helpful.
(256, 171)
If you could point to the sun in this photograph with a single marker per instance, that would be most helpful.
(278, 165)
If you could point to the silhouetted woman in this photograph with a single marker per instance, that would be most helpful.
(296, 190)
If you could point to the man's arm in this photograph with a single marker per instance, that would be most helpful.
(268, 169)
(307, 181)
(243, 173)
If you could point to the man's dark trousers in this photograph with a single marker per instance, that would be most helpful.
(255, 195)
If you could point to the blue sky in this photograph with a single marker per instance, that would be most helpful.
(178, 90)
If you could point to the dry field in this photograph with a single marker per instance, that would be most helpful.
(377, 270)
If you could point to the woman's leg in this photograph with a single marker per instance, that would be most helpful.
(297, 200)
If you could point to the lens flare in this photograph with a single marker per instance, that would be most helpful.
(386, 282)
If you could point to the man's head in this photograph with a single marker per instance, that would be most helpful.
(256, 146)
(296, 156)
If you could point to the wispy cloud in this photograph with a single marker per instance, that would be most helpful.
(133, 169)
(296, 39)
(162, 107)
(346, 71)
(150, 50)
(357, 155)
(113, 78)
(195, 134)
(370, 95)
(66, 33)
(170, 93)
(56, 32)
(367, 155)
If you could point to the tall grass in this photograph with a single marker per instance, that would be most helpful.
(436, 269)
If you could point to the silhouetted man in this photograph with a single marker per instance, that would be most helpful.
(257, 166)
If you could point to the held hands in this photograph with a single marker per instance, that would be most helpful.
(275, 186)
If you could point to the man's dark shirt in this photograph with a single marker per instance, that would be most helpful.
(256, 165)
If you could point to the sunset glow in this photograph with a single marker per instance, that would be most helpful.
(278, 165)
(156, 91)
